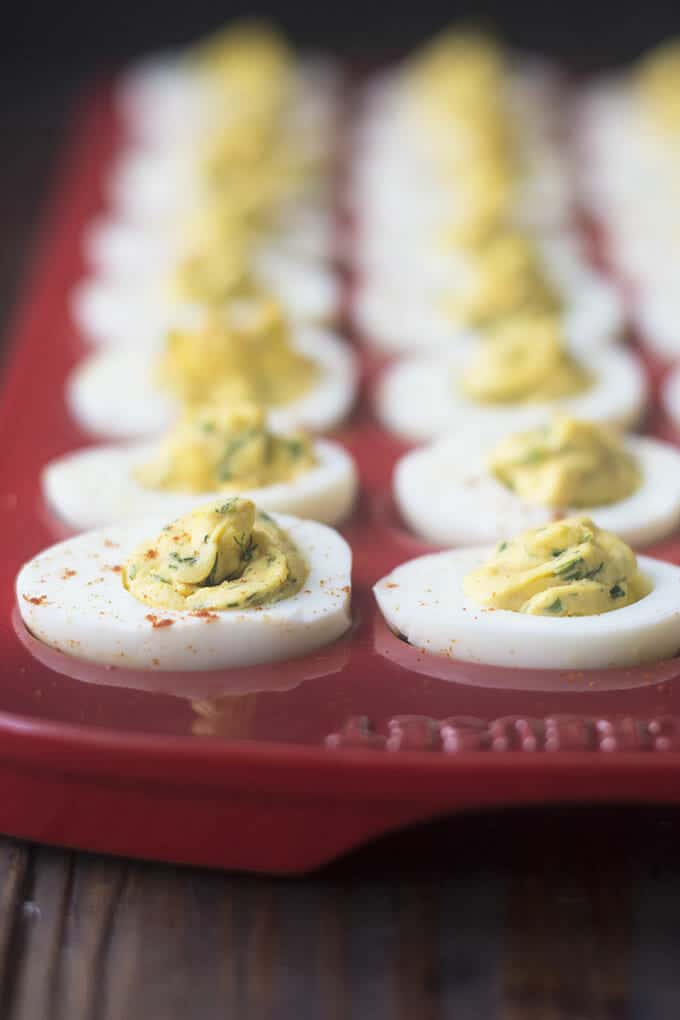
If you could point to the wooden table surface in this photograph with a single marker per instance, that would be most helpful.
(550, 915)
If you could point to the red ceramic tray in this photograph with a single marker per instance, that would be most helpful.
(279, 768)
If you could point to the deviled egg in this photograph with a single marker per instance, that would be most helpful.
(306, 377)
(519, 375)
(432, 302)
(224, 586)
(213, 450)
(455, 128)
(564, 596)
(119, 248)
(245, 69)
(629, 131)
(469, 489)
(119, 310)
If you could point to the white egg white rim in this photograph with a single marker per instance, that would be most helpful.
(424, 601)
(325, 493)
(592, 318)
(618, 396)
(326, 405)
(230, 639)
(112, 310)
(471, 484)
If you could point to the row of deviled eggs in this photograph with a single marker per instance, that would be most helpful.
(515, 378)
(628, 131)
(210, 306)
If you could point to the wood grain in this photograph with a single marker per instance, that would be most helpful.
(442, 924)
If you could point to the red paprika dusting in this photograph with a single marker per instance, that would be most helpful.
(156, 623)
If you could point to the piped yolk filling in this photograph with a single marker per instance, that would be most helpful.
(225, 448)
(569, 568)
(656, 81)
(521, 361)
(222, 556)
(241, 352)
(505, 278)
(567, 463)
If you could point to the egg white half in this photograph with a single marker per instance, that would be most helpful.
(424, 601)
(153, 184)
(112, 392)
(158, 98)
(80, 606)
(417, 399)
(398, 318)
(116, 247)
(116, 309)
(656, 315)
(396, 182)
(447, 496)
(95, 487)
(163, 103)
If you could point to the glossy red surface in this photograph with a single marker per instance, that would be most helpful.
(234, 769)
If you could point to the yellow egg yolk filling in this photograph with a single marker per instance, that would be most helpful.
(569, 568)
(523, 360)
(567, 463)
(211, 273)
(656, 81)
(225, 448)
(241, 352)
(460, 73)
(222, 556)
(248, 60)
(254, 156)
(505, 278)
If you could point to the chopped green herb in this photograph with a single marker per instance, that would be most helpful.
(592, 574)
(616, 592)
(247, 547)
(571, 570)
(295, 447)
(163, 580)
(211, 579)
(533, 457)
(225, 508)
(268, 448)
(132, 572)
(502, 546)
(557, 552)
(189, 560)
(555, 607)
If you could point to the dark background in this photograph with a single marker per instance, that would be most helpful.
(43, 43)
